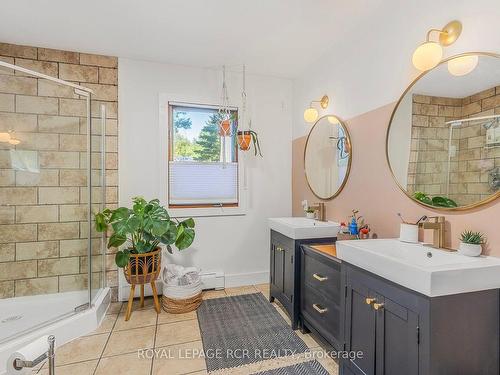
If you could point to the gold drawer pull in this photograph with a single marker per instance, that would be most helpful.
(378, 306)
(369, 301)
(319, 277)
(319, 309)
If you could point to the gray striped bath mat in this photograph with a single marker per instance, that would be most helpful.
(244, 329)
(305, 368)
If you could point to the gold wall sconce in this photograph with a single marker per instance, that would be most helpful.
(311, 114)
(430, 53)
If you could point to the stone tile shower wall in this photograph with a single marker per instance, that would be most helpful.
(43, 231)
(429, 144)
(470, 161)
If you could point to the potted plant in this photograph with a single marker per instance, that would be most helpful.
(310, 213)
(247, 137)
(144, 226)
(470, 244)
(225, 128)
(244, 139)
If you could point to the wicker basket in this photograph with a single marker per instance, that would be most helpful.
(181, 306)
(142, 269)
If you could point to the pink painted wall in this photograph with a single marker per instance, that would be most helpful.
(372, 190)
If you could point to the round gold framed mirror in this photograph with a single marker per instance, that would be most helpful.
(443, 139)
(327, 157)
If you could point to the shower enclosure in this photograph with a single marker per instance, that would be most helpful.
(473, 160)
(52, 166)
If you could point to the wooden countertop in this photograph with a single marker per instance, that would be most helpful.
(326, 249)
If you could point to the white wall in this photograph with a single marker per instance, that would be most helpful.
(371, 65)
(237, 245)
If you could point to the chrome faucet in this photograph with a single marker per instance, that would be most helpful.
(437, 225)
(321, 209)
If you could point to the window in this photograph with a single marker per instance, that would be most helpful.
(203, 166)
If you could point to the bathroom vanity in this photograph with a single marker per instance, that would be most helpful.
(408, 308)
(287, 236)
(321, 294)
(416, 310)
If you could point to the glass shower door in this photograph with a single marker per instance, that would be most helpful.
(98, 179)
(44, 201)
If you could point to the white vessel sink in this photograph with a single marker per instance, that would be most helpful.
(300, 228)
(429, 271)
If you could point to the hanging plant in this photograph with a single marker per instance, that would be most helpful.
(244, 139)
(225, 128)
(247, 137)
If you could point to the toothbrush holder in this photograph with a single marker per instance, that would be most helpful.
(408, 233)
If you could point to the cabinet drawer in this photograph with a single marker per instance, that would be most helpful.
(322, 313)
(322, 275)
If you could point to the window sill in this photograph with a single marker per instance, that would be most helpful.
(206, 212)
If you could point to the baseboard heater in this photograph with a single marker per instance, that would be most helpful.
(212, 280)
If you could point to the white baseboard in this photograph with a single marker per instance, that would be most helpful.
(234, 280)
(243, 279)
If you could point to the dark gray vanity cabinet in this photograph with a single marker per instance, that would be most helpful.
(401, 331)
(321, 296)
(284, 272)
(371, 331)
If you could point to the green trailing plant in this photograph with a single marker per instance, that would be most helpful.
(309, 210)
(144, 226)
(256, 144)
(436, 201)
(470, 237)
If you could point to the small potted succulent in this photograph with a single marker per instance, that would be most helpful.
(470, 243)
(310, 213)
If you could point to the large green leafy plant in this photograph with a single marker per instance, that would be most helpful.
(144, 227)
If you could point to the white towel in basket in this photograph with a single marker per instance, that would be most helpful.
(180, 282)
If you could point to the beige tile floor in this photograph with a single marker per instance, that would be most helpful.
(113, 347)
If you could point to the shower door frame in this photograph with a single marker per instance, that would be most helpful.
(86, 92)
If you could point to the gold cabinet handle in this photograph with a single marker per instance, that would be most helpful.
(378, 306)
(279, 248)
(319, 309)
(369, 301)
(319, 277)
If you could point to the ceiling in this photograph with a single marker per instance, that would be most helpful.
(273, 37)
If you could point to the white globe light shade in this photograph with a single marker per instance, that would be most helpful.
(460, 66)
(427, 56)
(333, 120)
(311, 114)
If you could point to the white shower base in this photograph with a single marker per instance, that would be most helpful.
(24, 319)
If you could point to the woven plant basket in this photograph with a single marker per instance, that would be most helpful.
(180, 306)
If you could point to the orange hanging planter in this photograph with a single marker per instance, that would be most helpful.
(225, 128)
(244, 140)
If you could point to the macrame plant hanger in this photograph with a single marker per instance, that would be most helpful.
(225, 123)
(244, 136)
(247, 136)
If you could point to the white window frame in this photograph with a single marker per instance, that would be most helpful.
(164, 100)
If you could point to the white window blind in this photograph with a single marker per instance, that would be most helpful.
(192, 182)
